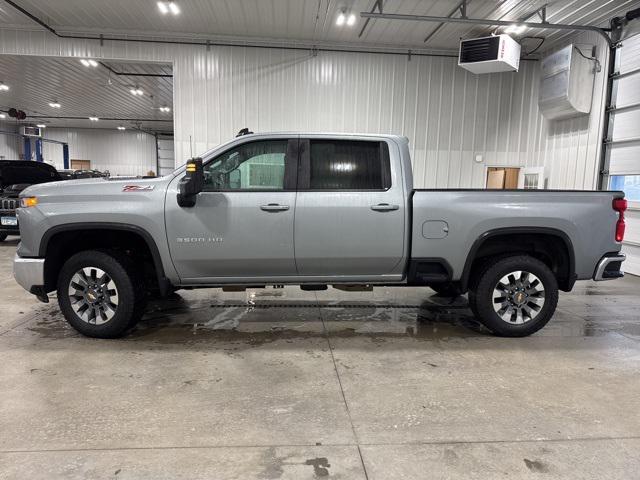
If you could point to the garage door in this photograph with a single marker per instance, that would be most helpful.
(624, 147)
(166, 160)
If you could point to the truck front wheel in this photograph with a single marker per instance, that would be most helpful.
(100, 294)
(514, 296)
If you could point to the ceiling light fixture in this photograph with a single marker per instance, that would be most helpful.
(136, 91)
(41, 125)
(120, 127)
(3, 87)
(94, 119)
(515, 29)
(165, 109)
(54, 105)
(166, 7)
(88, 62)
(2, 115)
(345, 19)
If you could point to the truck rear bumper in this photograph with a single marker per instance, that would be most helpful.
(609, 267)
(29, 273)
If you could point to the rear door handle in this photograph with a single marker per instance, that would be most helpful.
(384, 207)
(274, 207)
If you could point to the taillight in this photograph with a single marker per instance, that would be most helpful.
(620, 205)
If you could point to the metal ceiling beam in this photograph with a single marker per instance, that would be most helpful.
(488, 22)
(457, 9)
(134, 74)
(378, 5)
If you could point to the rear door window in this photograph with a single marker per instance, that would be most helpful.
(347, 165)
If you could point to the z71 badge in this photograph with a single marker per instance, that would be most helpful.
(137, 188)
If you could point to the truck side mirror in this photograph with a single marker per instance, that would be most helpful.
(191, 184)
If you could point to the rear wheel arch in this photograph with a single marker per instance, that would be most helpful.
(55, 246)
(550, 245)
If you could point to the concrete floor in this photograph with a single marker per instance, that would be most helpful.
(285, 384)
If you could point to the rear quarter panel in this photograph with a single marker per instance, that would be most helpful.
(587, 218)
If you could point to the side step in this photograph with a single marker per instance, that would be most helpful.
(239, 288)
(313, 287)
(354, 287)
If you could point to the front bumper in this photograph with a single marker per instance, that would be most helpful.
(609, 267)
(10, 230)
(29, 273)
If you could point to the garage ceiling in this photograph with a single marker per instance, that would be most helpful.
(82, 92)
(305, 21)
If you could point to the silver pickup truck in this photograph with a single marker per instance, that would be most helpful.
(311, 210)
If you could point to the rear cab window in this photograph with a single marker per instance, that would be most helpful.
(351, 165)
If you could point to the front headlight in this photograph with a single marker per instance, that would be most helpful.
(26, 202)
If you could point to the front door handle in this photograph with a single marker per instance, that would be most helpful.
(384, 207)
(274, 207)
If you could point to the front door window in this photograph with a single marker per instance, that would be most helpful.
(251, 166)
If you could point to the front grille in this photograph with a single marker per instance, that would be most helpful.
(9, 203)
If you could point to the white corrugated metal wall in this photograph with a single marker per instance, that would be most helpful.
(122, 153)
(448, 114)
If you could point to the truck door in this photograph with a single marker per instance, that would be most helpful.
(242, 224)
(350, 209)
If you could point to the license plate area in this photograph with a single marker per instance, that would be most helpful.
(9, 221)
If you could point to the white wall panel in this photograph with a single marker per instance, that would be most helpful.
(449, 114)
(122, 153)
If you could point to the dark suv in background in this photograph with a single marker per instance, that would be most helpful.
(15, 176)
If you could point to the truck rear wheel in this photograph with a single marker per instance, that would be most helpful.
(514, 296)
(100, 294)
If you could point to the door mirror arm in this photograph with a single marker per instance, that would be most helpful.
(191, 184)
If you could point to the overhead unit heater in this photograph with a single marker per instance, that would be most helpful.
(497, 53)
(31, 132)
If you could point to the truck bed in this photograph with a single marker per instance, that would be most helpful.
(449, 224)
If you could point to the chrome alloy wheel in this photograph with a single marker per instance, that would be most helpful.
(518, 297)
(93, 295)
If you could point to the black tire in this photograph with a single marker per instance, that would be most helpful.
(3, 236)
(481, 296)
(131, 295)
(446, 289)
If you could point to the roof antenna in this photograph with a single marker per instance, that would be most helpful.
(244, 131)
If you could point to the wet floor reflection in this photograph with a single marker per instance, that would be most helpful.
(260, 316)
(259, 321)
